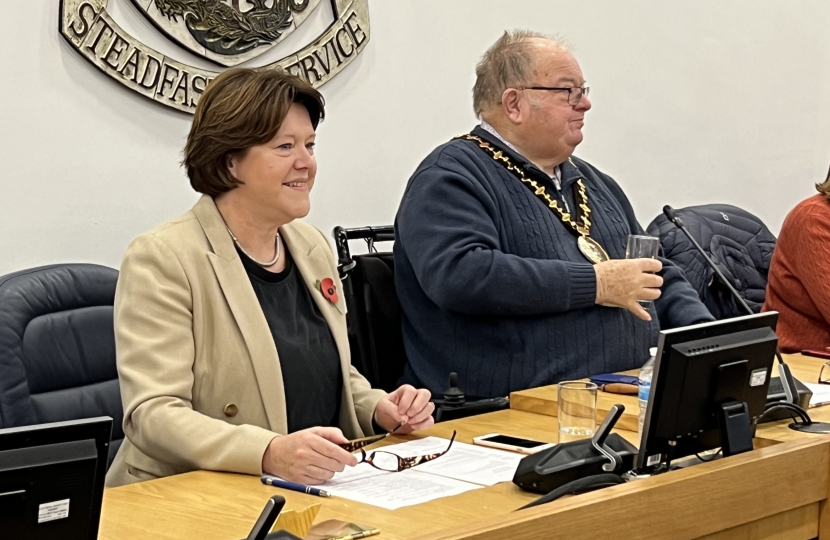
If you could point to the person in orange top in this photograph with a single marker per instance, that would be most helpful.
(799, 286)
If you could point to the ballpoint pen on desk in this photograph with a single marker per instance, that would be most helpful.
(361, 534)
(277, 482)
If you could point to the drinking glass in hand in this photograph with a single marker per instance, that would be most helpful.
(642, 247)
(577, 414)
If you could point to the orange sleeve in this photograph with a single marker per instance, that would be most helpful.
(810, 256)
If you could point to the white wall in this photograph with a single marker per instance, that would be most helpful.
(694, 102)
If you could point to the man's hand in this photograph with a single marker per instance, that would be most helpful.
(310, 456)
(621, 282)
(406, 406)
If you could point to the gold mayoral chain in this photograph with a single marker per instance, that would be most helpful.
(589, 247)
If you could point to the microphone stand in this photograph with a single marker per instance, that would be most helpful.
(784, 373)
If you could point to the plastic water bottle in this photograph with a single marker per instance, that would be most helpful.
(645, 387)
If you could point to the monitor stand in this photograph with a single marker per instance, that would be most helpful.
(735, 435)
(735, 428)
(733, 416)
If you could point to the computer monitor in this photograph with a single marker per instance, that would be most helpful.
(52, 479)
(708, 389)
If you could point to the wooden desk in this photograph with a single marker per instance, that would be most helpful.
(729, 498)
(804, 368)
(543, 400)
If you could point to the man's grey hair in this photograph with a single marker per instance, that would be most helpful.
(506, 63)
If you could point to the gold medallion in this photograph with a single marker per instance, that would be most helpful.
(587, 245)
(592, 249)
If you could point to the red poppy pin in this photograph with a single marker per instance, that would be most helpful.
(329, 291)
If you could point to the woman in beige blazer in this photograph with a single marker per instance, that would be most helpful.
(230, 335)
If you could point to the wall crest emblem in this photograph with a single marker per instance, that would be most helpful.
(221, 31)
(226, 32)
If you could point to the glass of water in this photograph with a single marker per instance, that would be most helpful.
(642, 247)
(577, 410)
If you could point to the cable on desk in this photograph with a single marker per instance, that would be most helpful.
(576, 487)
(714, 456)
(796, 412)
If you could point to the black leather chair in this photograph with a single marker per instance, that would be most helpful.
(57, 347)
(374, 313)
(374, 322)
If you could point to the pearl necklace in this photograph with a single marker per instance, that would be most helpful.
(262, 264)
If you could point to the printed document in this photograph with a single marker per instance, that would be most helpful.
(467, 462)
(821, 394)
(394, 490)
(465, 467)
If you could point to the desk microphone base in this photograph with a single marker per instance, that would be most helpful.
(549, 469)
(776, 394)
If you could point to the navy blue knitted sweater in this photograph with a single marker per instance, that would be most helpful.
(493, 286)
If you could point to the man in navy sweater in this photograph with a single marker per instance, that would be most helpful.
(510, 254)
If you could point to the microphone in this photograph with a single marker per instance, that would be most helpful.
(787, 379)
(671, 213)
(784, 373)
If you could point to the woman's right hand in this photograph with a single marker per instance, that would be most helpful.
(309, 457)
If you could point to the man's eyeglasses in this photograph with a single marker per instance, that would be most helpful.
(387, 461)
(574, 93)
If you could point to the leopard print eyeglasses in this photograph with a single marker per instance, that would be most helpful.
(387, 461)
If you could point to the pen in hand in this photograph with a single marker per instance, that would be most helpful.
(399, 426)
(278, 482)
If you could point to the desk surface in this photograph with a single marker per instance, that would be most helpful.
(228, 504)
(543, 400)
(220, 506)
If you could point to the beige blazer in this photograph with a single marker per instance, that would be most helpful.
(200, 375)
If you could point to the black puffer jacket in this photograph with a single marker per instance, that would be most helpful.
(739, 244)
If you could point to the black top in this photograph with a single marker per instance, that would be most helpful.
(308, 354)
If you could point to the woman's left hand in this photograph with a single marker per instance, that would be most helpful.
(408, 406)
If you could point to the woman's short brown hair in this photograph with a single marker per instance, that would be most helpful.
(241, 108)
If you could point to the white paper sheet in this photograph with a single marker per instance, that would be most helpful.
(396, 490)
(466, 462)
(821, 394)
(465, 467)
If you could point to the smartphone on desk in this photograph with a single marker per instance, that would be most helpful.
(512, 444)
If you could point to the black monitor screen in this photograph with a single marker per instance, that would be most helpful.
(697, 369)
(52, 479)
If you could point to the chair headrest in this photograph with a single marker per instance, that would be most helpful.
(56, 332)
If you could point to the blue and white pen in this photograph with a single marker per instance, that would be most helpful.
(277, 482)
